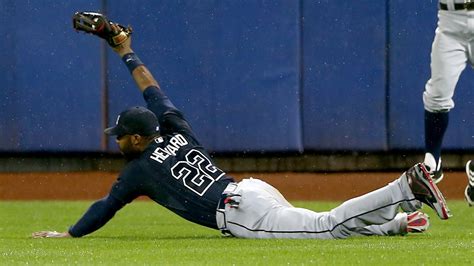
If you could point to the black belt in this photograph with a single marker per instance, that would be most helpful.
(459, 6)
(221, 205)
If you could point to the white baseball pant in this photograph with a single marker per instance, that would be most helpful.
(264, 213)
(451, 50)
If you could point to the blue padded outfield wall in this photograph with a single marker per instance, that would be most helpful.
(344, 75)
(49, 93)
(251, 75)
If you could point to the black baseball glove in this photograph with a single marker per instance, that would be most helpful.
(97, 24)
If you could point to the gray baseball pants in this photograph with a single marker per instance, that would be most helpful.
(263, 212)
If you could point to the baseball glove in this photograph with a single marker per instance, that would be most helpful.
(97, 24)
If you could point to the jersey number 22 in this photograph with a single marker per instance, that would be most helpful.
(197, 172)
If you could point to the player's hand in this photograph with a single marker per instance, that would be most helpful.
(125, 46)
(50, 234)
(99, 25)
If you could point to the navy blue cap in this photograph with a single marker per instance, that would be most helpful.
(136, 120)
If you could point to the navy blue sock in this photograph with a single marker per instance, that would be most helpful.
(435, 127)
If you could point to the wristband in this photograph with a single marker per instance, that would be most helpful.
(132, 61)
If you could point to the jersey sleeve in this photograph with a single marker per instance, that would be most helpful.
(98, 214)
(157, 101)
(170, 118)
(130, 184)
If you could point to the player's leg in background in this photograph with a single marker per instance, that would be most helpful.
(448, 60)
(436, 124)
(469, 191)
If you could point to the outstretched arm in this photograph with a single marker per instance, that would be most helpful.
(119, 38)
(156, 100)
(95, 217)
(140, 73)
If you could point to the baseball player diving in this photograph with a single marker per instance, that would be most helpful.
(167, 163)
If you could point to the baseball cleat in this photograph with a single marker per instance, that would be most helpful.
(469, 195)
(435, 169)
(426, 191)
(469, 192)
(438, 175)
(417, 222)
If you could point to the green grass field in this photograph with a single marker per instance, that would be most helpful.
(145, 233)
